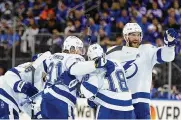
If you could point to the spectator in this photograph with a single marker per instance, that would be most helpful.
(29, 16)
(28, 37)
(46, 13)
(172, 23)
(106, 27)
(159, 42)
(52, 24)
(93, 27)
(158, 26)
(78, 26)
(175, 95)
(36, 9)
(119, 27)
(145, 24)
(177, 7)
(62, 12)
(164, 4)
(105, 7)
(172, 20)
(124, 17)
(70, 28)
(56, 41)
(151, 34)
(12, 38)
(7, 12)
(154, 12)
(41, 4)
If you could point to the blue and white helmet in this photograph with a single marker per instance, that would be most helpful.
(94, 51)
(130, 28)
(73, 43)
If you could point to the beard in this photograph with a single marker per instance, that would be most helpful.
(135, 45)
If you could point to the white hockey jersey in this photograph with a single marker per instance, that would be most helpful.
(13, 75)
(139, 65)
(111, 92)
(58, 68)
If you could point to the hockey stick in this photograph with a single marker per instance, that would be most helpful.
(30, 99)
(72, 84)
(32, 111)
(33, 67)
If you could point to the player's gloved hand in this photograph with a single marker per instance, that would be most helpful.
(91, 103)
(110, 67)
(25, 87)
(100, 62)
(170, 37)
(69, 80)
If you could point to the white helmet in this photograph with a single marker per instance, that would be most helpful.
(130, 28)
(73, 43)
(94, 51)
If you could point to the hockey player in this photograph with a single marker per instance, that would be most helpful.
(109, 92)
(16, 85)
(139, 68)
(66, 68)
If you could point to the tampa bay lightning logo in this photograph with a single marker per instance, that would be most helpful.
(133, 66)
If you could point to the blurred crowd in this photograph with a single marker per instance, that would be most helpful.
(163, 92)
(106, 20)
(45, 23)
(159, 91)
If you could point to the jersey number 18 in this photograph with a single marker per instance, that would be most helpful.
(117, 82)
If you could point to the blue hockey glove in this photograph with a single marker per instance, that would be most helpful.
(91, 103)
(100, 62)
(110, 67)
(25, 87)
(170, 37)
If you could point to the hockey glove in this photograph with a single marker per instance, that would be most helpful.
(170, 37)
(26, 88)
(91, 103)
(100, 62)
(110, 67)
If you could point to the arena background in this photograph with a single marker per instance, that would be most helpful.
(28, 27)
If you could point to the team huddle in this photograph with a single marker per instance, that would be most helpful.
(116, 83)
